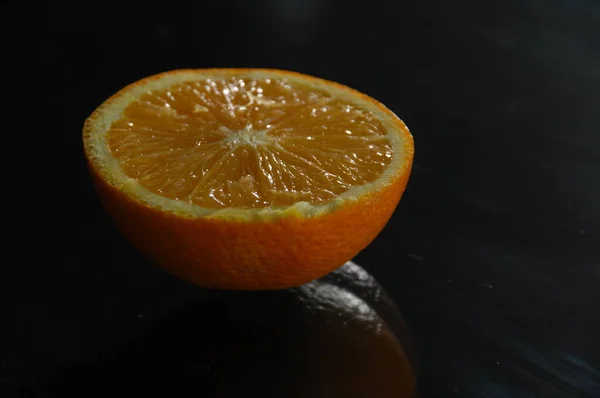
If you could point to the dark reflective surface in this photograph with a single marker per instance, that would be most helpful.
(493, 255)
(340, 336)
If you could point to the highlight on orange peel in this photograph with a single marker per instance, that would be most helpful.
(247, 179)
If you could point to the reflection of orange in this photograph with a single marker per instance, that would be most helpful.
(247, 179)
(335, 337)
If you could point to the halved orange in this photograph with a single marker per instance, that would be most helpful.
(247, 178)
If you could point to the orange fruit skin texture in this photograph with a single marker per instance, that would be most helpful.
(218, 253)
(276, 254)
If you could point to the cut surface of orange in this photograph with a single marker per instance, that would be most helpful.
(247, 178)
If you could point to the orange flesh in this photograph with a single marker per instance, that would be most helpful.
(248, 143)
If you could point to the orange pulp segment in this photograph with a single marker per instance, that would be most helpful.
(248, 143)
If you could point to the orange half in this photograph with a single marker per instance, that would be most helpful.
(247, 178)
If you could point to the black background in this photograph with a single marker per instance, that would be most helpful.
(493, 255)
